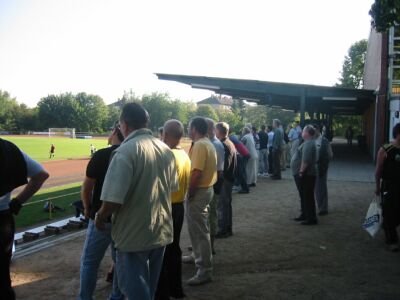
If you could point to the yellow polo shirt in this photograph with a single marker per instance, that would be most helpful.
(204, 158)
(182, 162)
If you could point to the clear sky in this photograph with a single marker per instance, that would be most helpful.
(107, 46)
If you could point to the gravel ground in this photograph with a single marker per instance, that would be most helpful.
(269, 257)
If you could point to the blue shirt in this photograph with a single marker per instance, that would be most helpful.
(293, 135)
(33, 168)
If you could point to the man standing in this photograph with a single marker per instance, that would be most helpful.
(263, 154)
(251, 165)
(225, 203)
(137, 190)
(324, 156)
(170, 282)
(213, 210)
(277, 150)
(388, 188)
(294, 140)
(203, 176)
(270, 150)
(97, 241)
(15, 168)
(242, 158)
(52, 151)
(304, 170)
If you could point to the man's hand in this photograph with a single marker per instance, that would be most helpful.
(86, 213)
(99, 222)
(15, 206)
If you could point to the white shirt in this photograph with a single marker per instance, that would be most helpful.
(270, 138)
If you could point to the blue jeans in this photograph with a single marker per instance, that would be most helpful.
(138, 273)
(95, 247)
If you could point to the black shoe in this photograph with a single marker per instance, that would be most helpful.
(276, 177)
(309, 223)
(252, 185)
(323, 213)
(299, 219)
(243, 192)
(222, 235)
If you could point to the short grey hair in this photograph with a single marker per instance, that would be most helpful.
(223, 127)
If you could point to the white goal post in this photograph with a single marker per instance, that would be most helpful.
(65, 132)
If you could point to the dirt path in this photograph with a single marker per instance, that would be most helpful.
(269, 257)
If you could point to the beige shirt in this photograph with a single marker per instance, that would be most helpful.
(141, 176)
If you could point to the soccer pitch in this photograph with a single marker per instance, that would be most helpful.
(66, 148)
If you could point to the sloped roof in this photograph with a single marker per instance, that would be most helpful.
(217, 101)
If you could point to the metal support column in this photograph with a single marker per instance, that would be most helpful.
(303, 108)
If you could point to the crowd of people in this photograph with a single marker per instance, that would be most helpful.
(137, 193)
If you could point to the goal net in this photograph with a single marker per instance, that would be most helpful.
(62, 132)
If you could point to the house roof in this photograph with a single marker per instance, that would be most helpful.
(323, 99)
(213, 100)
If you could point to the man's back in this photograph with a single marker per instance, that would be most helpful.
(263, 139)
(183, 166)
(204, 158)
(97, 169)
(141, 177)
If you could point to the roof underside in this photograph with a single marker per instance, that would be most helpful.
(319, 99)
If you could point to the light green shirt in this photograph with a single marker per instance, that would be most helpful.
(141, 176)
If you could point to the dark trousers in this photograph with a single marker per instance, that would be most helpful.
(170, 282)
(241, 173)
(306, 185)
(270, 161)
(225, 207)
(7, 230)
(391, 213)
(276, 157)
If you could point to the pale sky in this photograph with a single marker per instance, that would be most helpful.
(104, 47)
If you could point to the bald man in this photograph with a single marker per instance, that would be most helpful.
(170, 282)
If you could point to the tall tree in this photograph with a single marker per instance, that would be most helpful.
(353, 66)
(8, 110)
(92, 112)
(207, 111)
(59, 111)
(385, 14)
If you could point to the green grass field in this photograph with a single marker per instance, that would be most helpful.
(38, 147)
(33, 214)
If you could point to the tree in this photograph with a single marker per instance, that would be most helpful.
(206, 111)
(353, 66)
(59, 111)
(92, 112)
(8, 109)
(385, 14)
(234, 121)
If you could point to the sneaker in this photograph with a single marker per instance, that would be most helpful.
(265, 175)
(300, 218)
(243, 192)
(199, 279)
(188, 259)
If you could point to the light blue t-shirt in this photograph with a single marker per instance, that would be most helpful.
(33, 168)
(293, 135)
(219, 148)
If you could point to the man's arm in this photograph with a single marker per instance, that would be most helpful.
(86, 194)
(194, 181)
(105, 211)
(378, 171)
(34, 184)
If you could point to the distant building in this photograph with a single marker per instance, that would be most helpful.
(382, 74)
(217, 102)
